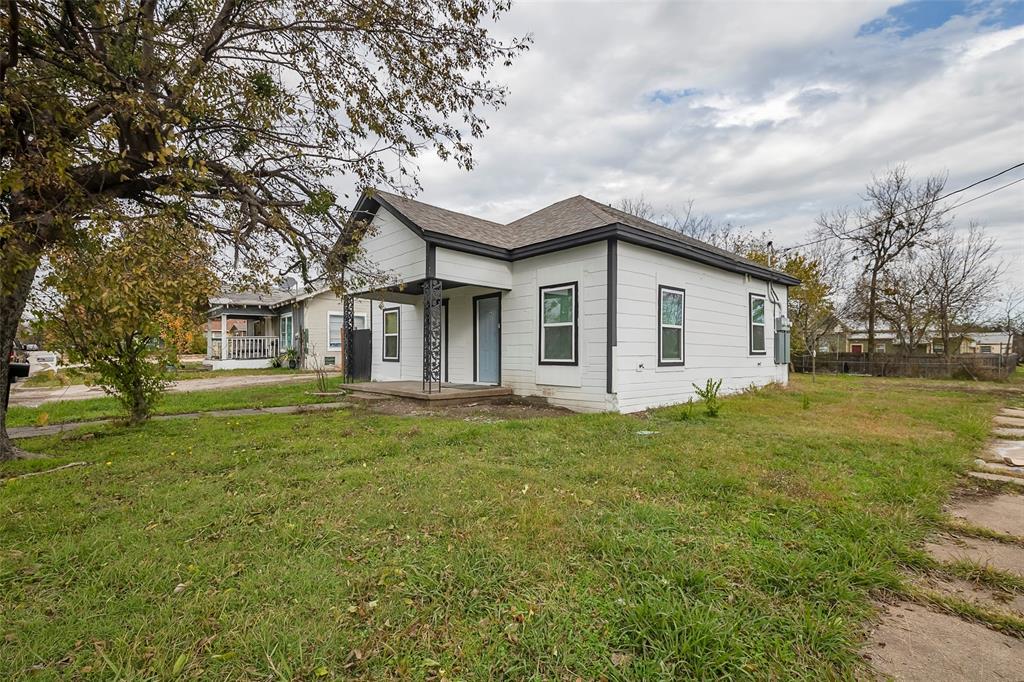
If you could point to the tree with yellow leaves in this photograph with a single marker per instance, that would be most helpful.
(118, 300)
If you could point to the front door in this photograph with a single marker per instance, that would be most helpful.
(487, 324)
(856, 348)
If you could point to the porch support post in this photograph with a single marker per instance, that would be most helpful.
(224, 336)
(432, 335)
(348, 321)
(209, 337)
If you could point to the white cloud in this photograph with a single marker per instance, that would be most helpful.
(762, 112)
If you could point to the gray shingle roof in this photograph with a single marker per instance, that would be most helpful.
(250, 297)
(443, 221)
(563, 218)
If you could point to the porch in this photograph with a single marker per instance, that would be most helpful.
(242, 339)
(433, 336)
(415, 390)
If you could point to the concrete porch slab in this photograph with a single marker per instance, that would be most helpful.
(414, 390)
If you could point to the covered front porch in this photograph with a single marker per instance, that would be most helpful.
(434, 336)
(244, 338)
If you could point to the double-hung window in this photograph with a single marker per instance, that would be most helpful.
(336, 327)
(671, 325)
(335, 323)
(757, 324)
(287, 332)
(392, 329)
(558, 318)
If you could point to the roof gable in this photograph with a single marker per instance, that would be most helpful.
(564, 224)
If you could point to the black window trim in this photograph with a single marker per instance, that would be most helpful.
(397, 310)
(681, 362)
(575, 286)
(750, 324)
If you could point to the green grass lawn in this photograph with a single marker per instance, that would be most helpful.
(349, 544)
(259, 395)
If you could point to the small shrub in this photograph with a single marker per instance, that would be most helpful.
(709, 394)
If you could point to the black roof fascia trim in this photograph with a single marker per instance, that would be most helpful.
(626, 233)
(650, 240)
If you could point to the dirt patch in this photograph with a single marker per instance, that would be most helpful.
(490, 409)
(1003, 513)
(999, 555)
(913, 643)
(974, 593)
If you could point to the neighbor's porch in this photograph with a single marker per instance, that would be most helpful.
(245, 338)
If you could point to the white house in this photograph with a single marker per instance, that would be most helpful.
(263, 326)
(579, 303)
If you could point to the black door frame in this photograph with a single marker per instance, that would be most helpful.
(476, 357)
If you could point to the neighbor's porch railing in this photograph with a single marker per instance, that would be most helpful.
(245, 348)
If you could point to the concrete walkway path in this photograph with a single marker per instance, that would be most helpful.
(915, 642)
(34, 397)
(33, 431)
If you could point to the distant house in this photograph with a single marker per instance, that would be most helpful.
(990, 342)
(266, 325)
(853, 338)
(579, 303)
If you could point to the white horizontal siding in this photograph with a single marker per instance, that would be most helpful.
(393, 249)
(314, 319)
(580, 387)
(410, 354)
(716, 332)
(467, 268)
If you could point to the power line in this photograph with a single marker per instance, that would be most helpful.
(982, 196)
(927, 203)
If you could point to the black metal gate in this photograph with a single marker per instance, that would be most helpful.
(362, 354)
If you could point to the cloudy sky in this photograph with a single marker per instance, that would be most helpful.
(764, 113)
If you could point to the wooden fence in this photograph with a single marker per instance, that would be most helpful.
(983, 366)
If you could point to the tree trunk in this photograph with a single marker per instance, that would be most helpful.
(12, 303)
(872, 303)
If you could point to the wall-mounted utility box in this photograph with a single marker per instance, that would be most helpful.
(782, 340)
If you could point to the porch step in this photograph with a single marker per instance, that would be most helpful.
(414, 390)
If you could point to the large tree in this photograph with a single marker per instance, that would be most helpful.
(237, 115)
(896, 215)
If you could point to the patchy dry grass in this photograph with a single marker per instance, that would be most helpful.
(353, 544)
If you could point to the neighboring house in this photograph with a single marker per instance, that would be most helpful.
(263, 326)
(999, 343)
(579, 303)
(854, 339)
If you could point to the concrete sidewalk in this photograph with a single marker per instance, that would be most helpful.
(32, 431)
(34, 397)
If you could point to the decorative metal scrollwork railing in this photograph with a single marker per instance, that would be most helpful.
(432, 335)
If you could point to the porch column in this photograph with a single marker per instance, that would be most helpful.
(432, 335)
(223, 337)
(209, 337)
(348, 321)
